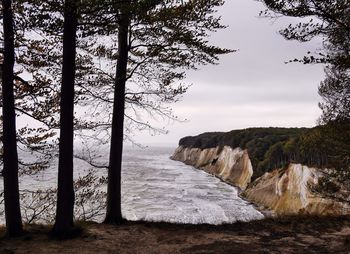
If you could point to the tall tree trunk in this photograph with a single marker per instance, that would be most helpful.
(114, 213)
(10, 156)
(65, 193)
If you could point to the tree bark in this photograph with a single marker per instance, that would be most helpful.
(114, 213)
(10, 156)
(64, 224)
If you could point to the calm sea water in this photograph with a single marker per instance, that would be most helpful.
(155, 188)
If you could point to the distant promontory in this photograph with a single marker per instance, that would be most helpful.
(285, 170)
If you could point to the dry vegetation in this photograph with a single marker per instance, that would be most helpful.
(287, 235)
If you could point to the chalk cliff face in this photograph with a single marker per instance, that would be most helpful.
(289, 191)
(284, 191)
(231, 165)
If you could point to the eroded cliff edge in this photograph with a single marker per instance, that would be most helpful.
(287, 188)
(231, 165)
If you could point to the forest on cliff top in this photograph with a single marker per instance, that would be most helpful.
(326, 146)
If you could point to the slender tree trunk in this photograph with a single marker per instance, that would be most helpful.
(65, 194)
(10, 156)
(114, 213)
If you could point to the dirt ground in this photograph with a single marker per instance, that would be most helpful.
(287, 235)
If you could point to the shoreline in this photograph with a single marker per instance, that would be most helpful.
(267, 213)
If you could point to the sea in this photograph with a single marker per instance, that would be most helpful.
(154, 188)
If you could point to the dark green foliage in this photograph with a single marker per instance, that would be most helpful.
(271, 148)
(265, 145)
(335, 92)
(327, 145)
(330, 21)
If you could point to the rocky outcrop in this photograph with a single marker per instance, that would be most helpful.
(290, 191)
(285, 191)
(231, 165)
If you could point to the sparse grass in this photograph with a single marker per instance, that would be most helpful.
(273, 235)
(84, 225)
(37, 228)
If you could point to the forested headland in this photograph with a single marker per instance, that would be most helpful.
(270, 148)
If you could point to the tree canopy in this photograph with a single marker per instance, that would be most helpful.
(130, 58)
(329, 20)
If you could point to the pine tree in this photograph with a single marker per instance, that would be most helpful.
(64, 225)
(328, 144)
(10, 156)
(163, 34)
(329, 20)
(33, 100)
(114, 212)
(335, 93)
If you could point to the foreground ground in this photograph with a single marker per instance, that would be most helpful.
(288, 235)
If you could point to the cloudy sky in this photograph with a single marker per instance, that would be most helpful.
(252, 87)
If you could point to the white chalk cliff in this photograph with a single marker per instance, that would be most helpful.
(289, 191)
(283, 191)
(231, 165)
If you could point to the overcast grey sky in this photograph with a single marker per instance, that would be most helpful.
(252, 87)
